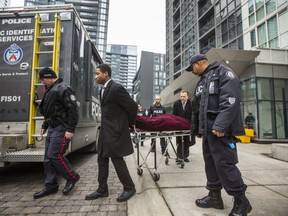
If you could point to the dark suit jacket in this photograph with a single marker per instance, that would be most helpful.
(178, 109)
(118, 111)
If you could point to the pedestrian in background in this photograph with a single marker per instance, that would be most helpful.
(249, 121)
(118, 113)
(217, 96)
(183, 108)
(59, 108)
(155, 110)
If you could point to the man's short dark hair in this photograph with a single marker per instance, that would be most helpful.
(183, 91)
(105, 67)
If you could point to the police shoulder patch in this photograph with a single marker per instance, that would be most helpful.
(72, 97)
(231, 100)
(230, 74)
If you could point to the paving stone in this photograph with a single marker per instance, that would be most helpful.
(94, 208)
(17, 189)
(31, 210)
(11, 210)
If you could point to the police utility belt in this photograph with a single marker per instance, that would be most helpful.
(56, 121)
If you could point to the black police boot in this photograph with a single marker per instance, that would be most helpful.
(213, 200)
(241, 206)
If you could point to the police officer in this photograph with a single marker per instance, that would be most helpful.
(155, 110)
(59, 108)
(217, 117)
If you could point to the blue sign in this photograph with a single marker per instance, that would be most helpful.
(13, 54)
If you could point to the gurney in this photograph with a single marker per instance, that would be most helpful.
(159, 127)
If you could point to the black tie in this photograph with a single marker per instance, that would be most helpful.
(102, 92)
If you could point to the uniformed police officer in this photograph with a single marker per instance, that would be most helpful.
(217, 117)
(155, 110)
(59, 108)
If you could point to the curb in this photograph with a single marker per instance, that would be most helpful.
(148, 200)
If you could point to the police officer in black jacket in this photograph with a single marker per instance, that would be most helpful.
(59, 108)
(217, 117)
(155, 110)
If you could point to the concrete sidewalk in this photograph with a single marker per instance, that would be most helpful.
(178, 188)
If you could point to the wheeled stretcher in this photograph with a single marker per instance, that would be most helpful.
(141, 136)
(163, 126)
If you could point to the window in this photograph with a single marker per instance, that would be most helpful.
(261, 36)
(253, 38)
(250, 6)
(260, 13)
(259, 4)
(231, 7)
(264, 86)
(266, 119)
(248, 90)
(272, 32)
(270, 6)
(280, 89)
(251, 19)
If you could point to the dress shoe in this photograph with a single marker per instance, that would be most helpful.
(45, 192)
(126, 195)
(96, 195)
(70, 184)
(241, 206)
(186, 160)
(213, 200)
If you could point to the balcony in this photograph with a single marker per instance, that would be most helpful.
(205, 8)
(177, 52)
(208, 47)
(177, 36)
(207, 27)
(176, 6)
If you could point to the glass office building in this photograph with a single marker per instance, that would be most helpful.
(202, 26)
(94, 15)
(123, 62)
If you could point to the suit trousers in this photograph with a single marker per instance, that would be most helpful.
(220, 165)
(183, 144)
(121, 170)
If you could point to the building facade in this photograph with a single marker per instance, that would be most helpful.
(150, 79)
(123, 62)
(199, 26)
(94, 15)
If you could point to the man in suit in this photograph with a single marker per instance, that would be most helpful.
(183, 108)
(118, 113)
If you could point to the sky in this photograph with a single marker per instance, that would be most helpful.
(134, 22)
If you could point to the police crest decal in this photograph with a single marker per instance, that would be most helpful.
(13, 54)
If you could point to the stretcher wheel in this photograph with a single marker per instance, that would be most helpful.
(182, 164)
(156, 176)
(166, 161)
(139, 171)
